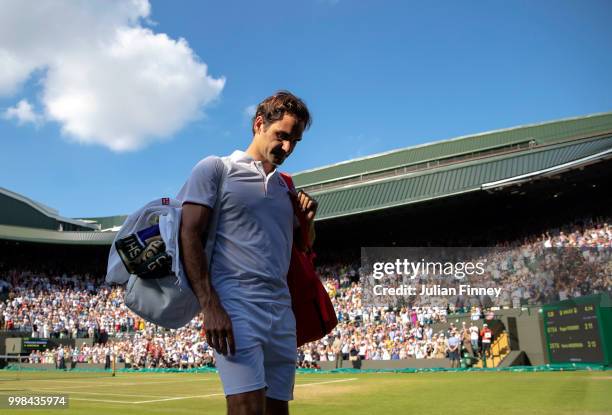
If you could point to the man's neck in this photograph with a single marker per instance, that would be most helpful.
(252, 151)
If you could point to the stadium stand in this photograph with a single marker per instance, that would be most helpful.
(70, 305)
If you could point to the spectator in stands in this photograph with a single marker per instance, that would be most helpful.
(61, 362)
(453, 348)
(487, 337)
(465, 337)
(337, 350)
(354, 356)
(474, 339)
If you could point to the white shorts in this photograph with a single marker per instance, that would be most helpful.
(266, 350)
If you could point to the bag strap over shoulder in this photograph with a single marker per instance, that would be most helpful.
(289, 181)
(293, 194)
(222, 169)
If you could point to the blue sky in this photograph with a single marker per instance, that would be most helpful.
(376, 76)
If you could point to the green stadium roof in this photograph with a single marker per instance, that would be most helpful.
(542, 134)
(24, 234)
(460, 178)
(19, 210)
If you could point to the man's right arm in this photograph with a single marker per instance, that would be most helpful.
(218, 325)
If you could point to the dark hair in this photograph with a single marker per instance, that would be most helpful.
(274, 107)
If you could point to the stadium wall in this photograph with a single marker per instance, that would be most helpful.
(530, 337)
(524, 326)
(69, 365)
(391, 364)
(11, 342)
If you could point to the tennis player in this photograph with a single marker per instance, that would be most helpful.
(245, 299)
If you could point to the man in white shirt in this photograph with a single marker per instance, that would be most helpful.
(245, 299)
(474, 337)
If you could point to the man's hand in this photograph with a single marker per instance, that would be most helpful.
(307, 205)
(218, 326)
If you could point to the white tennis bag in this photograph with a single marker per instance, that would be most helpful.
(145, 255)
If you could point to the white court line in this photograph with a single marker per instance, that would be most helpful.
(139, 402)
(218, 394)
(103, 393)
(94, 380)
(111, 383)
(195, 396)
(97, 400)
(158, 383)
(181, 397)
(327, 379)
(322, 383)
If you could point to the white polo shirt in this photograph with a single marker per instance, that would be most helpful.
(255, 227)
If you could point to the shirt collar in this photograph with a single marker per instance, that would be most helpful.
(239, 156)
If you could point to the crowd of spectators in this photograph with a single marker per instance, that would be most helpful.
(141, 351)
(81, 306)
(569, 264)
(555, 266)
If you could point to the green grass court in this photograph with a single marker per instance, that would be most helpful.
(474, 393)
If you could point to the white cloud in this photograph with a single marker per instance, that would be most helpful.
(250, 111)
(23, 113)
(107, 79)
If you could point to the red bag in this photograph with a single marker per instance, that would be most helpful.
(314, 312)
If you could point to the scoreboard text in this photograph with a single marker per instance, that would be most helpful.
(573, 334)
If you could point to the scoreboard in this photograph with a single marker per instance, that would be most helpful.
(575, 332)
(33, 343)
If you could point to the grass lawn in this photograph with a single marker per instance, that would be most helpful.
(456, 393)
